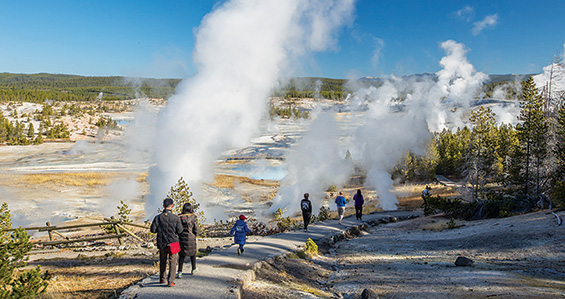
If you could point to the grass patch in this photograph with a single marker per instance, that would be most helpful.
(228, 181)
(78, 179)
(66, 179)
(94, 281)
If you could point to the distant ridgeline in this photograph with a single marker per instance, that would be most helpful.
(312, 87)
(38, 88)
(337, 89)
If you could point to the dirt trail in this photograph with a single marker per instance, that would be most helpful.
(517, 257)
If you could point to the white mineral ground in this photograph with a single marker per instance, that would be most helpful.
(28, 181)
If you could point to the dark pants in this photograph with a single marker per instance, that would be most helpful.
(192, 261)
(359, 212)
(306, 217)
(166, 258)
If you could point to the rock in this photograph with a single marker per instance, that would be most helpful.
(355, 231)
(369, 294)
(463, 261)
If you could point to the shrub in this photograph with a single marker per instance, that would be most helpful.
(323, 214)
(496, 206)
(14, 246)
(310, 249)
(288, 223)
(279, 214)
(435, 204)
(451, 224)
(123, 215)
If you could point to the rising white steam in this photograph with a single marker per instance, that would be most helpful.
(385, 132)
(241, 49)
(317, 162)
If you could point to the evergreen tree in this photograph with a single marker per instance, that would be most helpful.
(559, 150)
(533, 138)
(14, 247)
(481, 159)
(451, 151)
(180, 194)
(558, 175)
(30, 131)
(506, 143)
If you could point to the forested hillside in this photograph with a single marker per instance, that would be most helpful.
(37, 88)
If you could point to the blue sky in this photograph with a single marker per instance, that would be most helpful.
(155, 38)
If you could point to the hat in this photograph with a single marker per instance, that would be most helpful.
(167, 202)
(242, 217)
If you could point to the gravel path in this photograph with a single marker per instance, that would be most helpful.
(223, 273)
(516, 257)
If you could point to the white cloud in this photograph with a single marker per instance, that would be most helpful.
(465, 13)
(488, 21)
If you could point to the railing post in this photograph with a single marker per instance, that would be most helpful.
(117, 230)
(49, 231)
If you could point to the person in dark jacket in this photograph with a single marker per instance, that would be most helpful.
(239, 232)
(306, 207)
(359, 201)
(168, 228)
(188, 247)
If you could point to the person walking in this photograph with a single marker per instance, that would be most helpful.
(306, 207)
(340, 202)
(188, 247)
(427, 192)
(359, 201)
(239, 232)
(168, 228)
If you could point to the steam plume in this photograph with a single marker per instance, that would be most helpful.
(316, 163)
(382, 135)
(241, 49)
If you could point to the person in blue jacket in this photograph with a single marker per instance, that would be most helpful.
(340, 202)
(239, 232)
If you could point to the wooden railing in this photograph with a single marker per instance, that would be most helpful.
(119, 228)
